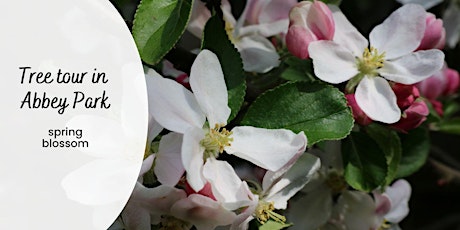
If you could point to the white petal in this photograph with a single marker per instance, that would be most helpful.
(376, 98)
(399, 194)
(173, 106)
(312, 210)
(168, 166)
(227, 187)
(204, 212)
(275, 10)
(198, 19)
(154, 129)
(192, 158)
(332, 62)
(413, 68)
(268, 148)
(451, 19)
(346, 34)
(401, 33)
(293, 181)
(258, 54)
(243, 219)
(208, 85)
(427, 4)
(158, 199)
(356, 209)
(265, 29)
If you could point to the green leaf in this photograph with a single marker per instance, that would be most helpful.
(298, 70)
(389, 142)
(415, 150)
(273, 225)
(158, 25)
(318, 109)
(450, 126)
(365, 165)
(216, 40)
(450, 109)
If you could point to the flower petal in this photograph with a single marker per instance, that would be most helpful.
(192, 157)
(154, 129)
(346, 34)
(399, 194)
(356, 209)
(413, 68)
(427, 4)
(401, 33)
(173, 106)
(332, 62)
(168, 166)
(258, 53)
(203, 212)
(275, 10)
(208, 85)
(268, 148)
(376, 98)
(312, 210)
(293, 181)
(265, 29)
(451, 19)
(227, 187)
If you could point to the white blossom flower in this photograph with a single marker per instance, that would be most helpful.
(277, 188)
(392, 205)
(146, 206)
(316, 207)
(258, 53)
(390, 57)
(181, 111)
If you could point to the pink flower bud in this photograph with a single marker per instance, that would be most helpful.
(358, 114)
(308, 22)
(443, 83)
(437, 106)
(435, 34)
(412, 117)
(405, 94)
(432, 87)
(453, 81)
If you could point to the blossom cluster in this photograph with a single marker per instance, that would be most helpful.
(318, 145)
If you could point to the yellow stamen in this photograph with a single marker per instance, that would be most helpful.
(215, 141)
(371, 61)
(265, 212)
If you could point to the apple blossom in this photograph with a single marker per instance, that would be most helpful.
(146, 206)
(269, 11)
(186, 113)
(389, 57)
(309, 21)
(277, 188)
(258, 53)
(316, 208)
(392, 205)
